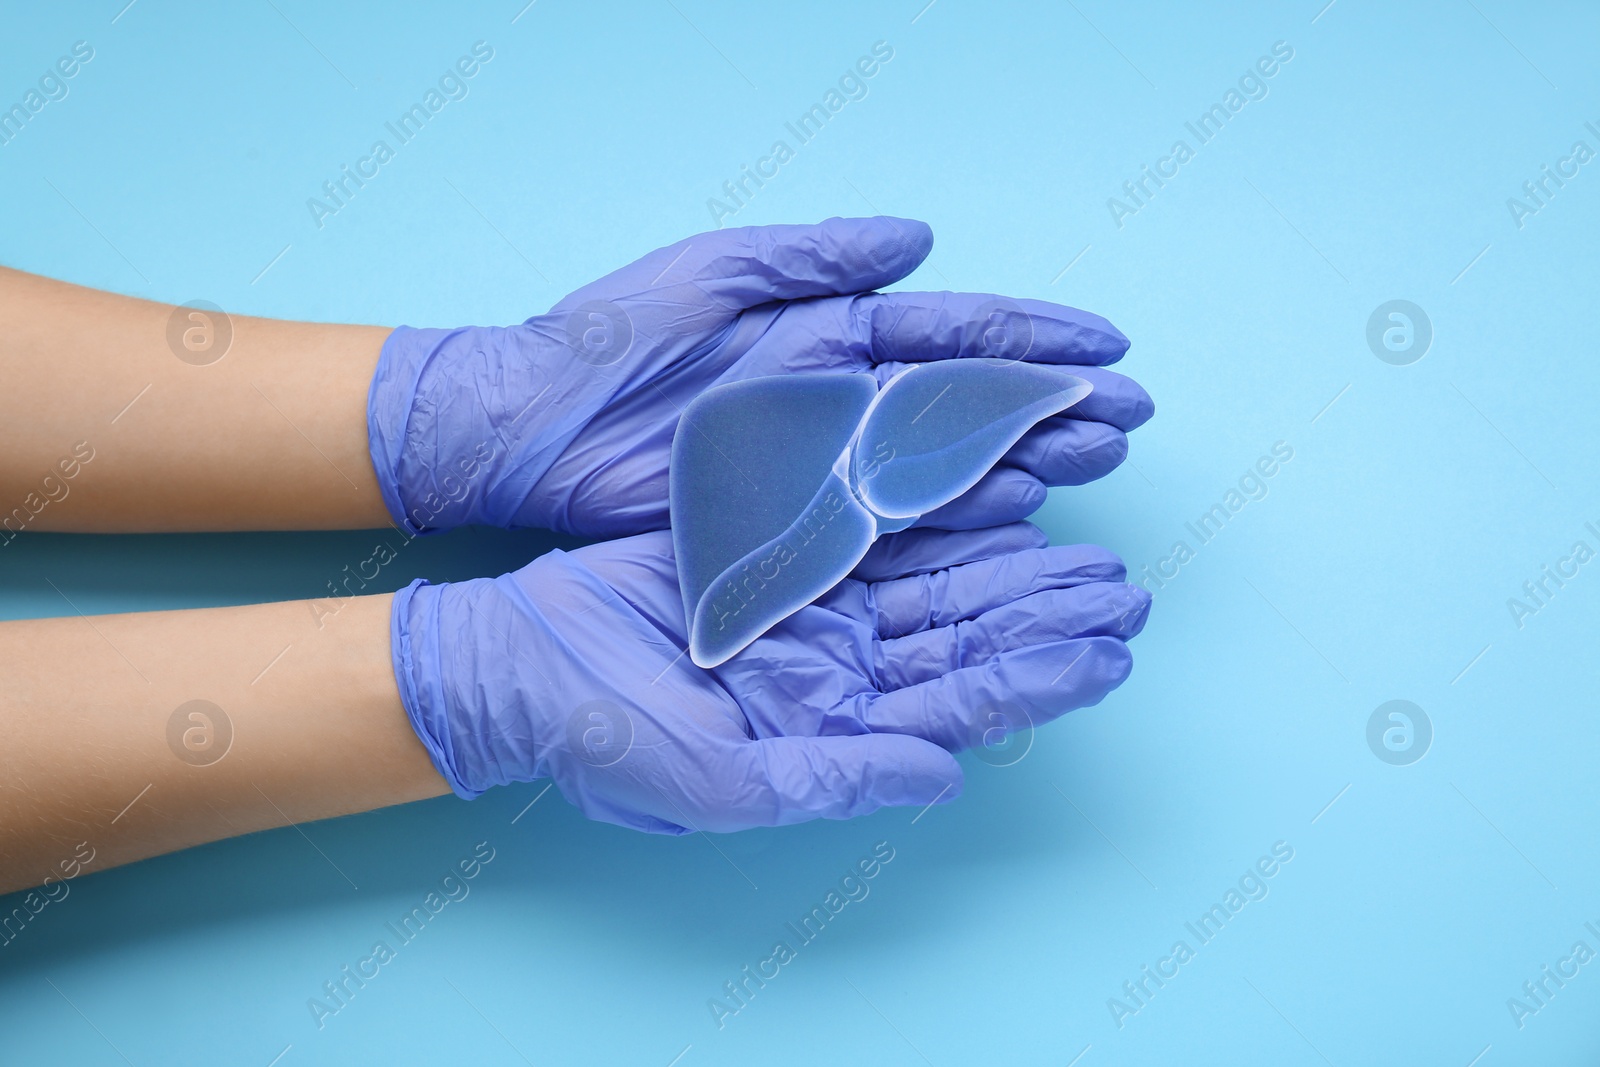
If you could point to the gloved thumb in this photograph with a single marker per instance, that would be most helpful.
(742, 267)
(794, 779)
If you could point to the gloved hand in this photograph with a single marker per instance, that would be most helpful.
(566, 421)
(573, 668)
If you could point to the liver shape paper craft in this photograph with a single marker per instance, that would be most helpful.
(779, 485)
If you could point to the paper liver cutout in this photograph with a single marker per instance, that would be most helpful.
(779, 485)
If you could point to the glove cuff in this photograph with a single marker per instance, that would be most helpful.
(462, 424)
(389, 401)
(414, 647)
(434, 433)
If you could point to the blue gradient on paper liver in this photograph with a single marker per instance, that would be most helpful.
(938, 428)
(781, 484)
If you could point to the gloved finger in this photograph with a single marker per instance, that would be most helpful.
(777, 781)
(922, 551)
(741, 267)
(1003, 495)
(1025, 687)
(908, 605)
(1066, 451)
(1116, 399)
(1100, 609)
(918, 327)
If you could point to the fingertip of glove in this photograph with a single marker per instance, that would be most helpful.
(916, 235)
(1031, 493)
(1063, 675)
(914, 772)
(1110, 342)
(1020, 536)
(1144, 409)
(1083, 561)
(1114, 659)
(1112, 447)
(894, 245)
(1118, 341)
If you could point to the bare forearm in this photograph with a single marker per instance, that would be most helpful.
(271, 435)
(104, 746)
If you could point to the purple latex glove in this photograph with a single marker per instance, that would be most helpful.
(566, 421)
(573, 668)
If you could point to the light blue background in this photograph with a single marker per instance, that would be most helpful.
(1378, 567)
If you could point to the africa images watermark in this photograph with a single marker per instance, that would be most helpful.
(1252, 86)
(52, 87)
(452, 85)
(1252, 486)
(52, 891)
(853, 887)
(1538, 992)
(1538, 192)
(1252, 885)
(745, 587)
(450, 490)
(1539, 591)
(53, 488)
(852, 85)
(1399, 732)
(452, 888)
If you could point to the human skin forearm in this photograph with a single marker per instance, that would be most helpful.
(89, 757)
(272, 436)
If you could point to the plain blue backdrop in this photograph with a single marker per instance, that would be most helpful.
(1374, 565)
